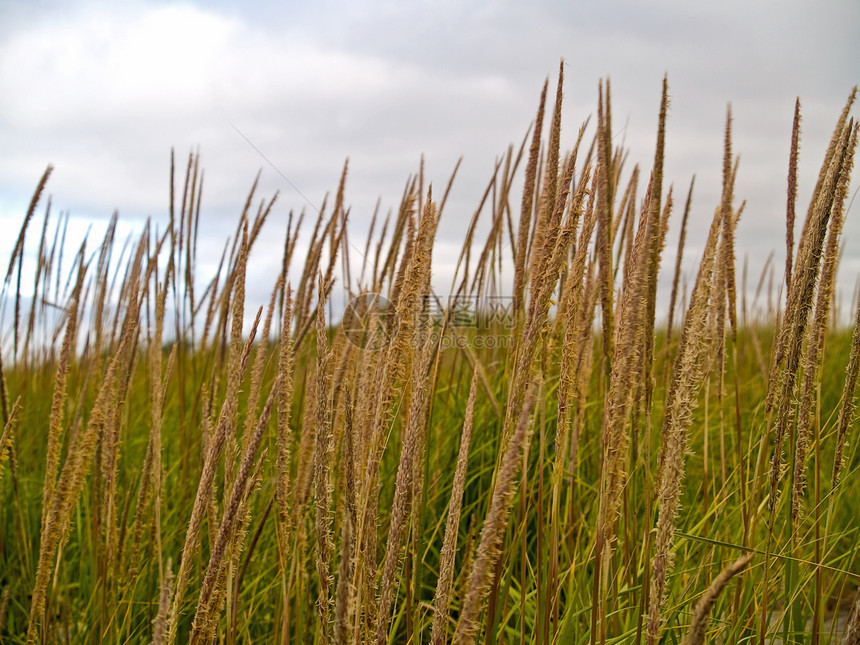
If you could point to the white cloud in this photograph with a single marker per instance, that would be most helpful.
(103, 91)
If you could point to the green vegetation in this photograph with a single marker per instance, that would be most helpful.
(567, 470)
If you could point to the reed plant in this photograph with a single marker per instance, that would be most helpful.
(574, 466)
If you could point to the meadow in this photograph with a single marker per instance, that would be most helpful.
(549, 461)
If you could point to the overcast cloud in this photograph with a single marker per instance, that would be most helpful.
(103, 91)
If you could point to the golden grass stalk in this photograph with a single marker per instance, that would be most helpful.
(550, 187)
(304, 476)
(584, 359)
(687, 377)
(495, 524)
(791, 200)
(323, 451)
(604, 228)
(702, 613)
(679, 256)
(259, 365)
(722, 303)
(389, 266)
(290, 243)
(644, 389)
(207, 423)
(442, 598)
(557, 250)
(366, 255)
(846, 410)
(283, 439)
(60, 243)
(157, 386)
(206, 618)
(544, 275)
(4, 395)
(790, 337)
(626, 224)
(818, 210)
(818, 329)
(213, 301)
(343, 610)
(526, 210)
(159, 631)
(204, 485)
(260, 219)
(230, 409)
(151, 477)
(6, 436)
(409, 451)
(304, 293)
(464, 257)
(42, 269)
(572, 303)
(101, 282)
(852, 629)
(493, 241)
(800, 305)
(659, 222)
(626, 370)
(74, 471)
(109, 446)
(18, 250)
(785, 365)
(394, 364)
(408, 252)
(419, 463)
(376, 278)
(368, 455)
(832, 151)
(575, 281)
(52, 268)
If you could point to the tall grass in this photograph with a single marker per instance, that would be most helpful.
(569, 469)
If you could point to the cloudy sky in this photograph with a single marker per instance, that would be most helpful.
(103, 91)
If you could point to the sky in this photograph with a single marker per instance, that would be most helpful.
(104, 90)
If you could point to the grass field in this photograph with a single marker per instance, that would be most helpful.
(543, 462)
